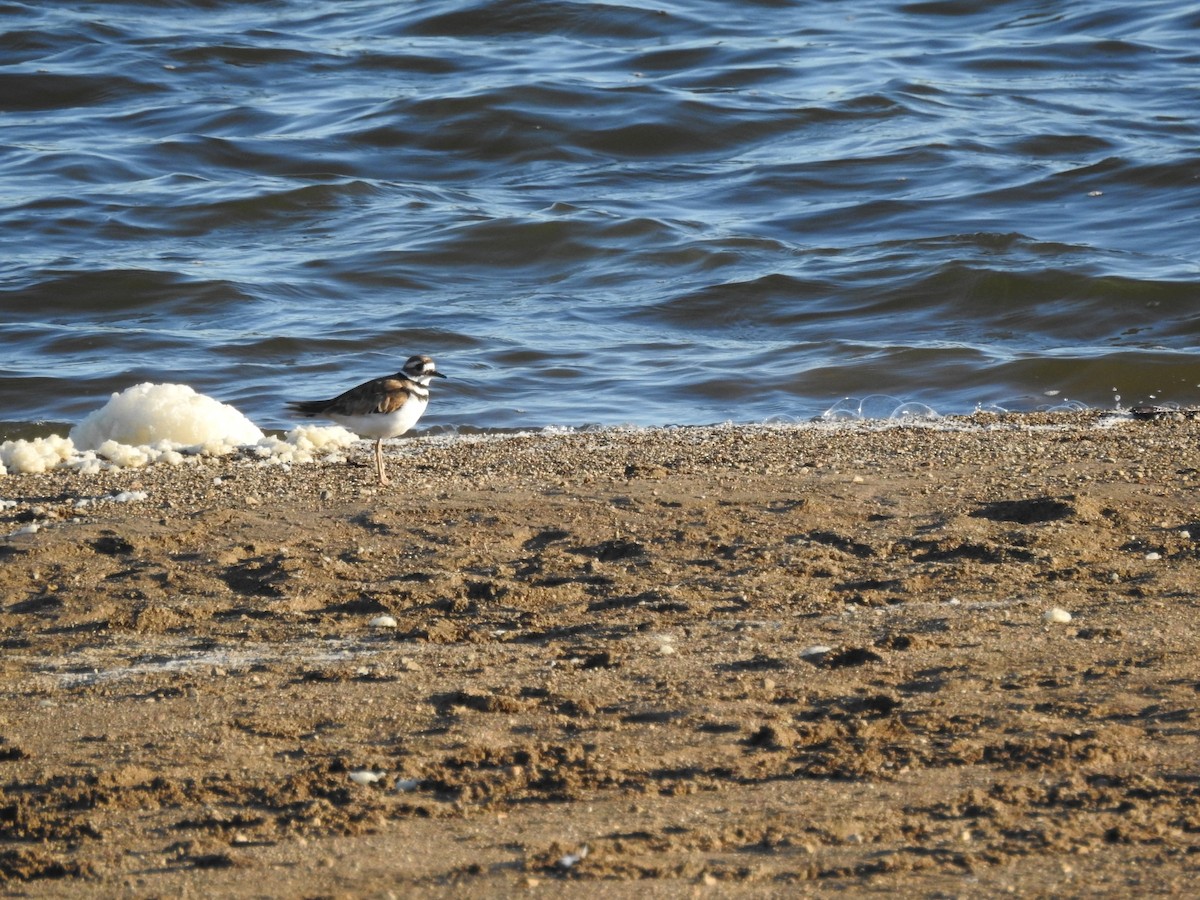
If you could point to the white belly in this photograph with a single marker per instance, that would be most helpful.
(384, 425)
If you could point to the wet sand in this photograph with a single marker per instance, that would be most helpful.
(698, 661)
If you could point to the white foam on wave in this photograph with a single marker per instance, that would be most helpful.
(166, 423)
(883, 407)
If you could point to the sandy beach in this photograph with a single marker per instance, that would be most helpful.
(728, 661)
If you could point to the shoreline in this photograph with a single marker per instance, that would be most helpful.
(721, 658)
(315, 438)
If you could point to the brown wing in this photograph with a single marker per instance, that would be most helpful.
(382, 395)
(391, 394)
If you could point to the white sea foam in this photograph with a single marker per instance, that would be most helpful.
(165, 416)
(38, 455)
(171, 424)
(307, 443)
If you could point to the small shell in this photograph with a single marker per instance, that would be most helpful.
(382, 622)
(573, 859)
(815, 650)
(1153, 557)
(1056, 615)
(365, 776)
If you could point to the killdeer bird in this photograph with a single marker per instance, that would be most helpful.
(383, 408)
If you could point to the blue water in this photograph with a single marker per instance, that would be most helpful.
(598, 213)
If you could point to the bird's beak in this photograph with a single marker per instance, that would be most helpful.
(436, 374)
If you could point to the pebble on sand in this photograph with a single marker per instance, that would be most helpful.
(815, 650)
(570, 860)
(1056, 615)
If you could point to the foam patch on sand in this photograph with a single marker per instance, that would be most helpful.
(307, 443)
(165, 415)
(37, 455)
(167, 423)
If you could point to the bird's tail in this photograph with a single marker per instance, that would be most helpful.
(308, 407)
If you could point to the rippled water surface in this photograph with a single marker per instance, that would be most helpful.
(600, 213)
